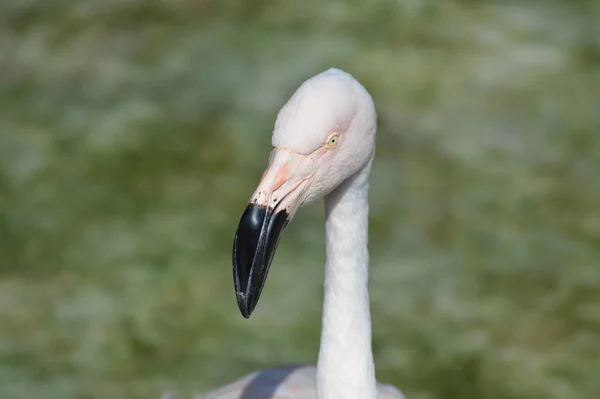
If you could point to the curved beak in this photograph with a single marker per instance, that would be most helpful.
(281, 191)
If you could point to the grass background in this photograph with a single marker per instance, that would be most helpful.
(132, 134)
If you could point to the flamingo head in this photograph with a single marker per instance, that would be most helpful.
(324, 134)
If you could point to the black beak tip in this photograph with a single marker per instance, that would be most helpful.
(244, 304)
(254, 246)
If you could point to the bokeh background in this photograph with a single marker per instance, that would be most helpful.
(133, 132)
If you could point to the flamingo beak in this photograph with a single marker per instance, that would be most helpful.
(281, 191)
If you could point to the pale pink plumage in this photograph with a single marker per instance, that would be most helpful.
(305, 166)
(291, 382)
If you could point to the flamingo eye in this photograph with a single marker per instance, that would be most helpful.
(332, 140)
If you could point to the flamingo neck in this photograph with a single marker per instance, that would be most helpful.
(345, 367)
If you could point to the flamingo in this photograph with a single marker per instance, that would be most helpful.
(323, 147)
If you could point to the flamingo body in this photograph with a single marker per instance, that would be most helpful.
(290, 382)
(323, 147)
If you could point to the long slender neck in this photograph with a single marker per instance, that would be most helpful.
(345, 367)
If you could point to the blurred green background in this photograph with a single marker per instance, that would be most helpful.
(133, 132)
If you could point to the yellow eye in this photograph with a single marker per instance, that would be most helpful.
(332, 140)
